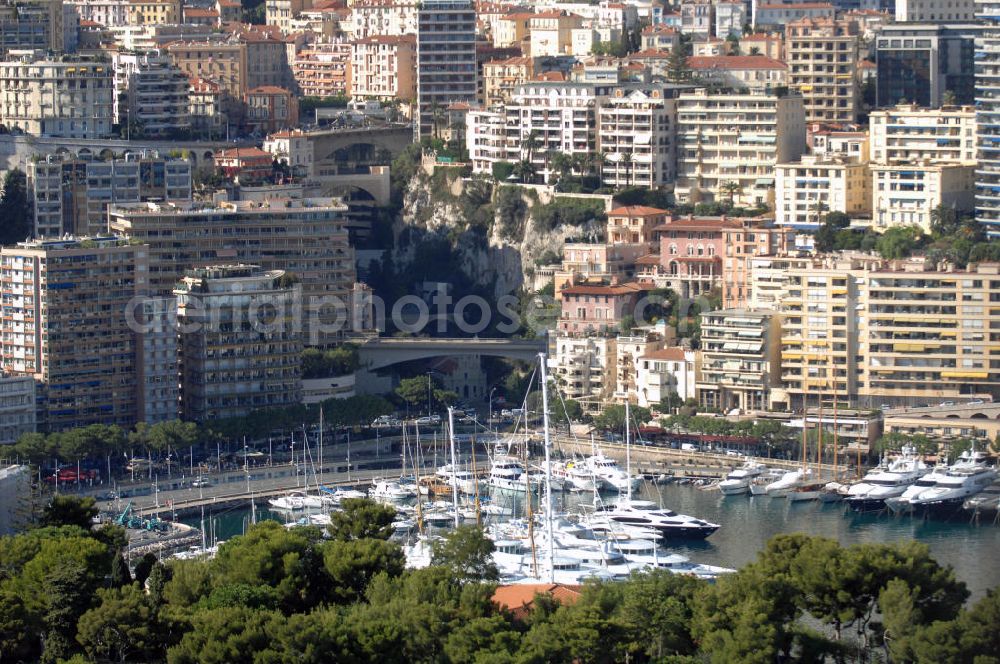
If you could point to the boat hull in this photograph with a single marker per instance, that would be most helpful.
(863, 504)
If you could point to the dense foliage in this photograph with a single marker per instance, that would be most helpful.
(319, 363)
(15, 210)
(279, 595)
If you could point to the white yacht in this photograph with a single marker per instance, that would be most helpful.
(294, 500)
(967, 477)
(759, 484)
(610, 473)
(391, 491)
(738, 481)
(670, 524)
(506, 474)
(788, 482)
(576, 476)
(466, 482)
(885, 482)
(902, 503)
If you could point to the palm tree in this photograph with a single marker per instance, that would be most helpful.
(437, 115)
(531, 143)
(597, 162)
(626, 159)
(524, 171)
(730, 188)
(818, 208)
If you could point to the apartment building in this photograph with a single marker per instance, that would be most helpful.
(305, 237)
(697, 18)
(66, 97)
(920, 62)
(221, 61)
(446, 60)
(71, 196)
(17, 407)
(501, 78)
(486, 140)
(628, 350)
(809, 188)
(740, 359)
(745, 72)
(634, 223)
(906, 193)
(154, 12)
(931, 11)
(109, 13)
(382, 67)
(270, 108)
(294, 148)
(588, 262)
(597, 309)
(240, 343)
(907, 132)
(730, 17)
(581, 365)
(768, 44)
(636, 130)
(690, 254)
(324, 70)
(207, 103)
(281, 13)
(776, 16)
(889, 332)
(768, 130)
(753, 239)
(550, 33)
(546, 117)
(848, 144)
(383, 17)
(665, 373)
(660, 36)
(66, 305)
(157, 388)
(821, 329)
(37, 24)
(987, 72)
(767, 279)
(151, 94)
(822, 57)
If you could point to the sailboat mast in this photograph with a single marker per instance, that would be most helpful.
(628, 454)
(454, 463)
(321, 443)
(475, 479)
(836, 440)
(819, 439)
(548, 468)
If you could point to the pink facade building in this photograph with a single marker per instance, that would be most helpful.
(588, 309)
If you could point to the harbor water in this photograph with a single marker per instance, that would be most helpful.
(748, 522)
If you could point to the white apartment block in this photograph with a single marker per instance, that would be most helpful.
(636, 134)
(730, 17)
(905, 193)
(740, 349)
(486, 139)
(665, 372)
(552, 117)
(767, 279)
(697, 18)
(109, 13)
(66, 97)
(907, 132)
(935, 11)
(383, 17)
(808, 189)
(293, 147)
(581, 366)
(151, 93)
(17, 407)
(628, 350)
(726, 137)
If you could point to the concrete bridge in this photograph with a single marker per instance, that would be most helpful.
(383, 352)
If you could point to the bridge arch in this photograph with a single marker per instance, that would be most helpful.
(384, 352)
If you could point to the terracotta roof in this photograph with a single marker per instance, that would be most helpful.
(636, 211)
(388, 39)
(672, 354)
(698, 224)
(651, 53)
(801, 5)
(241, 153)
(648, 259)
(510, 61)
(621, 289)
(268, 90)
(520, 597)
(550, 76)
(200, 12)
(518, 16)
(659, 28)
(734, 62)
(867, 64)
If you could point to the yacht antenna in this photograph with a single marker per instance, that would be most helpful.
(548, 467)
(454, 464)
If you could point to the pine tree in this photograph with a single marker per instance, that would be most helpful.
(120, 575)
(15, 214)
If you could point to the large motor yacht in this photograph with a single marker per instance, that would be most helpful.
(738, 481)
(670, 524)
(885, 482)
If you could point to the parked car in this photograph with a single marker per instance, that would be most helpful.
(200, 482)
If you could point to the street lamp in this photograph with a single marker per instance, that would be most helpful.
(489, 421)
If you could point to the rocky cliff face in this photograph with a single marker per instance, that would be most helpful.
(494, 236)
